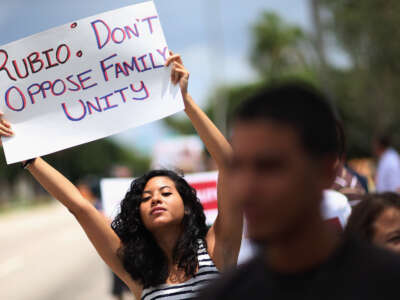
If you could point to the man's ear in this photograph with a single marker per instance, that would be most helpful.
(330, 165)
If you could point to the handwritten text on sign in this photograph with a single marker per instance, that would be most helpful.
(85, 80)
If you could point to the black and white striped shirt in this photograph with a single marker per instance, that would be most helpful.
(187, 290)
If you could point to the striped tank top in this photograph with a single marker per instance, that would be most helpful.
(186, 290)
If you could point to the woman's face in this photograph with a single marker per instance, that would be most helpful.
(161, 204)
(387, 229)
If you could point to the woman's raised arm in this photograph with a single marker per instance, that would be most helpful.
(224, 237)
(96, 226)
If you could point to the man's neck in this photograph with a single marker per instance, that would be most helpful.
(303, 250)
(382, 152)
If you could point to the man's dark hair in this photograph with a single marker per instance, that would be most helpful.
(384, 140)
(304, 109)
(363, 216)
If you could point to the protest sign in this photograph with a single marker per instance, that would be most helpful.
(113, 190)
(179, 153)
(85, 80)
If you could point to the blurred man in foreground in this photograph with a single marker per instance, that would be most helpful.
(286, 144)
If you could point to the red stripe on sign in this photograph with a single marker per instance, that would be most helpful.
(204, 185)
(207, 193)
(210, 205)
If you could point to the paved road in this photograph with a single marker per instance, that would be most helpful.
(45, 255)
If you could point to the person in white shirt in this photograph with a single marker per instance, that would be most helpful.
(388, 169)
(335, 209)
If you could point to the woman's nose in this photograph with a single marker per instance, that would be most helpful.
(156, 200)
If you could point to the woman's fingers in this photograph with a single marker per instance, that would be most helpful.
(179, 59)
(178, 65)
(5, 127)
(5, 131)
(5, 123)
(172, 59)
(174, 76)
(175, 57)
(183, 73)
(178, 72)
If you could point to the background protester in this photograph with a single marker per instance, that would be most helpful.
(348, 182)
(377, 219)
(335, 209)
(388, 169)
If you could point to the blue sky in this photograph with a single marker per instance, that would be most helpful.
(213, 37)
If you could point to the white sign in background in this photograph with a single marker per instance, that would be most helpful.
(84, 81)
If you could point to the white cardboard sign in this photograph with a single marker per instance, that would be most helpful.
(85, 80)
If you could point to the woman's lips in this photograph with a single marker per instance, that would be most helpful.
(157, 210)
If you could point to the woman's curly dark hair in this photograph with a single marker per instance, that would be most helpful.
(142, 257)
(364, 214)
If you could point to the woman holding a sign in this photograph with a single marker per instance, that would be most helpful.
(159, 244)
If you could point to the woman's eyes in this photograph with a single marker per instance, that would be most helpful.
(394, 240)
(165, 194)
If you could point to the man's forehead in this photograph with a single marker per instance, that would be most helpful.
(267, 134)
(264, 124)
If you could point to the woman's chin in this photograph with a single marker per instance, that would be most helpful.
(162, 222)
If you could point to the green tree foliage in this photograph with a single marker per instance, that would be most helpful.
(367, 92)
(8, 173)
(280, 51)
(95, 158)
(234, 94)
(278, 47)
(180, 125)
